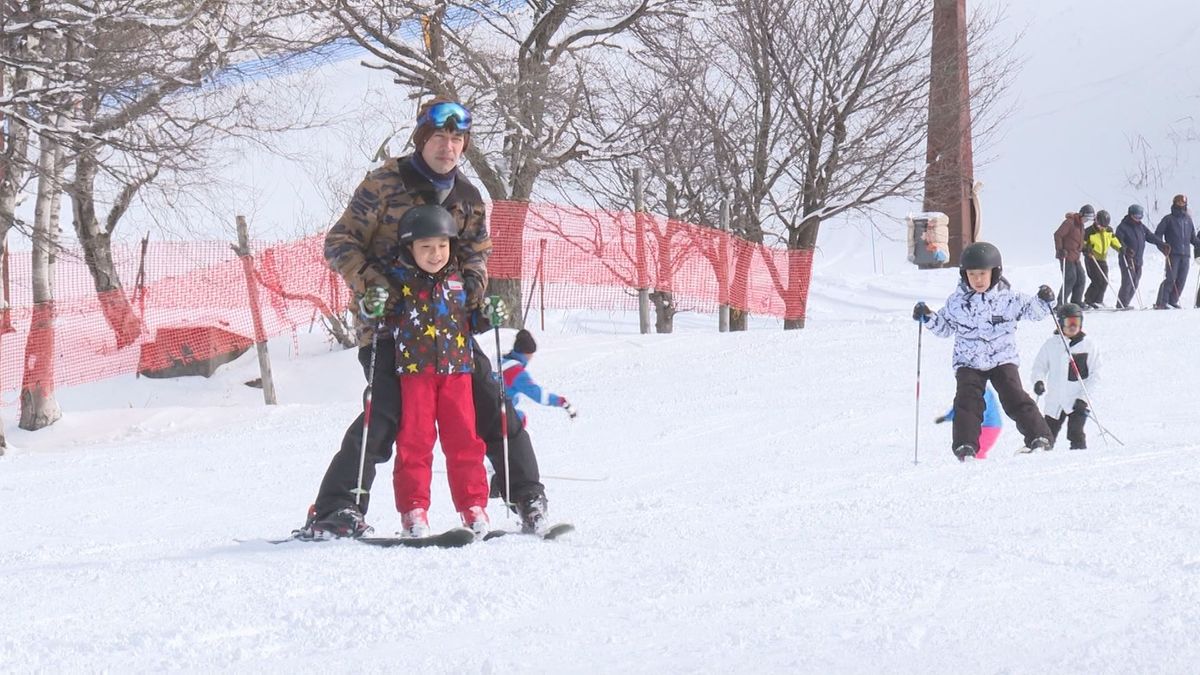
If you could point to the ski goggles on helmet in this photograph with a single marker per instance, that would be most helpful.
(446, 115)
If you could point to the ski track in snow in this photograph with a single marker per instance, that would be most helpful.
(763, 514)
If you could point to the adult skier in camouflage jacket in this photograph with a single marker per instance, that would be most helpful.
(982, 315)
(356, 247)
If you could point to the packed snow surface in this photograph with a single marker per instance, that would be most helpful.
(753, 506)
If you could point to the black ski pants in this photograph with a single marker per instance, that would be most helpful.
(1075, 433)
(1073, 282)
(341, 478)
(1131, 278)
(968, 404)
(1097, 272)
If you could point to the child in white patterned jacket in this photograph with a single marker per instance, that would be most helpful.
(982, 315)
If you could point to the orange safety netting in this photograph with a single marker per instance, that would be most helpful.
(567, 258)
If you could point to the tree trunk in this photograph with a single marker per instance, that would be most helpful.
(664, 311)
(738, 291)
(38, 407)
(97, 253)
(796, 297)
(803, 238)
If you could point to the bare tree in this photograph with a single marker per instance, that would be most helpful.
(527, 71)
(796, 111)
(142, 88)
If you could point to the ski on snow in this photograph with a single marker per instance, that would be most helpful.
(553, 532)
(452, 538)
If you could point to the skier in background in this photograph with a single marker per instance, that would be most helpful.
(1067, 379)
(1178, 233)
(1068, 247)
(518, 381)
(989, 431)
(1098, 239)
(1133, 235)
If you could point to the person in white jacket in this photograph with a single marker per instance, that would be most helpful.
(1066, 379)
(982, 315)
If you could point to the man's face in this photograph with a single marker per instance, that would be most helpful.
(431, 253)
(443, 150)
(979, 280)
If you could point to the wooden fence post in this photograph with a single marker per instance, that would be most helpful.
(260, 338)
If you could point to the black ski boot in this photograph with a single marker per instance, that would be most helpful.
(534, 514)
(347, 522)
(964, 451)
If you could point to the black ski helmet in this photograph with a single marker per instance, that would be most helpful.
(1087, 210)
(981, 256)
(1068, 310)
(1102, 217)
(427, 220)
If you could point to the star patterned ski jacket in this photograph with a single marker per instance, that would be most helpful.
(984, 325)
(430, 320)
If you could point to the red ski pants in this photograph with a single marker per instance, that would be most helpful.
(433, 405)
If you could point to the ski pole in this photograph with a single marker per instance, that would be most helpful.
(1107, 283)
(503, 410)
(917, 422)
(1104, 432)
(362, 452)
(1171, 276)
(1062, 271)
(1197, 283)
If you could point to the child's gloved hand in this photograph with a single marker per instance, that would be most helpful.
(373, 302)
(1039, 388)
(566, 405)
(921, 312)
(939, 419)
(1045, 293)
(495, 310)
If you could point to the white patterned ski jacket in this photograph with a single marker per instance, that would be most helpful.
(984, 324)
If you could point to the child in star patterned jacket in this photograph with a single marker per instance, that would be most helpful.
(434, 361)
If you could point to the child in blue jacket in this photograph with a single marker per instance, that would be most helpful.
(518, 381)
(989, 431)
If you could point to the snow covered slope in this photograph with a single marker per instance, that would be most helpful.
(760, 512)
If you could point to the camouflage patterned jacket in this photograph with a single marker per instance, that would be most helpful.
(364, 243)
(430, 320)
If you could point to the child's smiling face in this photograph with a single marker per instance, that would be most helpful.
(431, 253)
(979, 280)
